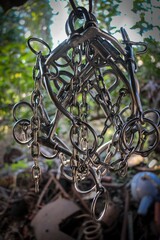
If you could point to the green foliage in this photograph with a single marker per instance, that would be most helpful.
(105, 11)
(22, 164)
(16, 60)
(146, 9)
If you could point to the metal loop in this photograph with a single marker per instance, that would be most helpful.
(99, 217)
(64, 173)
(33, 39)
(22, 131)
(153, 111)
(80, 13)
(83, 191)
(137, 122)
(20, 104)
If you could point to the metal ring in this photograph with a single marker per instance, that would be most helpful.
(19, 105)
(33, 39)
(146, 152)
(35, 149)
(101, 191)
(85, 191)
(157, 112)
(36, 95)
(123, 142)
(21, 122)
(81, 13)
(123, 169)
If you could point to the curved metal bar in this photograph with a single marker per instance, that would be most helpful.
(34, 39)
(100, 192)
(19, 105)
(156, 111)
(90, 33)
(83, 191)
(56, 101)
(129, 131)
(131, 70)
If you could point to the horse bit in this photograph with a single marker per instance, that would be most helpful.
(89, 69)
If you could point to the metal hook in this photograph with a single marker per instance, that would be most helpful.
(99, 193)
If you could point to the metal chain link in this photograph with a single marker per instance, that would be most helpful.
(36, 99)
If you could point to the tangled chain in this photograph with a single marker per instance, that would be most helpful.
(90, 66)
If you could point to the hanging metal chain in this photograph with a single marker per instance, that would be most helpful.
(36, 99)
(90, 66)
(84, 115)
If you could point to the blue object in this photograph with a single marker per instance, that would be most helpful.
(145, 188)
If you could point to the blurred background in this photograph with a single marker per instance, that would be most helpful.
(19, 206)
